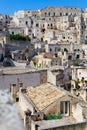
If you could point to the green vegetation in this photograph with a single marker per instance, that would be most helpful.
(59, 49)
(52, 116)
(76, 64)
(82, 80)
(19, 37)
(69, 57)
(77, 83)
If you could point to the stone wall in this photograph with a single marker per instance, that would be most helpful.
(77, 112)
(24, 105)
(51, 78)
(28, 79)
(66, 126)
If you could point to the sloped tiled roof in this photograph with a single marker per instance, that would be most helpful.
(43, 95)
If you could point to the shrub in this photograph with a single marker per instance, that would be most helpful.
(19, 37)
(76, 64)
(52, 116)
(69, 57)
(59, 49)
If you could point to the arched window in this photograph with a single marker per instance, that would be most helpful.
(45, 13)
(66, 14)
(51, 24)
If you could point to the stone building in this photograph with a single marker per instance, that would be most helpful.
(79, 72)
(73, 109)
(55, 76)
(53, 11)
(42, 60)
(68, 24)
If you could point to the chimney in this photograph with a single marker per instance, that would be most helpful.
(36, 127)
(27, 119)
(20, 86)
(13, 91)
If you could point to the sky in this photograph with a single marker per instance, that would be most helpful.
(11, 6)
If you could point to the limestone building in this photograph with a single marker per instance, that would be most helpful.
(46, 99)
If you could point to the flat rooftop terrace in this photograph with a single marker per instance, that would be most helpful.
(49, 124)
(17, 70)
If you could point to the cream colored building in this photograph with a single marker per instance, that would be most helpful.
(42, 60)
(66, 24)
(47, 98)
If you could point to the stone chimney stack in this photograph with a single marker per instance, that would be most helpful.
(20, 86)
(36, 127)
(27, 119)
(13, 91)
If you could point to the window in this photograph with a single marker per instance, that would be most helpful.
(29, 30)
(60, 14)
(66, 14)
(51, 25)
(45, 13)
(65, 108)
(82, 27)
(49, 14)
(54, 14)
(77, 57)
(12, 32)
(82, 32)
(50, 49)
(79, 73)
(43, 18)
(37, 25)
(26, 22)
(6, 22)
